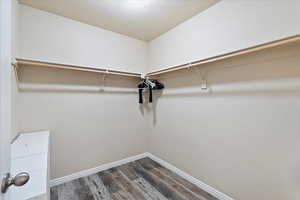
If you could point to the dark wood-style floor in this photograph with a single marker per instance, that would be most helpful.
(139, 180)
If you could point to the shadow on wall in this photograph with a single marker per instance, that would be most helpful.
(274, 71)
(148, 107)
(49, 80)
(35, 79)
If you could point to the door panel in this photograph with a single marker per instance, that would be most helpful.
(5, 88)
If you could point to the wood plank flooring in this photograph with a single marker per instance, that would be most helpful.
(143, 179)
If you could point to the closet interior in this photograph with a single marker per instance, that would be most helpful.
(150, 100)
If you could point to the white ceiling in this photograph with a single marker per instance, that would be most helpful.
(141, 19)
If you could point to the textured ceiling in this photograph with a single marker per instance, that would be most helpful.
(141, 19)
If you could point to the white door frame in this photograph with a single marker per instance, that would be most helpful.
(5, 87)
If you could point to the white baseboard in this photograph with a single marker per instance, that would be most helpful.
(95, 170)
(200, 184)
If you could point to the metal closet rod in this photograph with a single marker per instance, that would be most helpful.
(20, 62)
(253, 49)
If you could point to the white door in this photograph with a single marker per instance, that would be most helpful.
(5, 88)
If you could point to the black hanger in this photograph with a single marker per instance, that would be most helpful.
(151, 84)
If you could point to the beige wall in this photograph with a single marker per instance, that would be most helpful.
(242, 136)
(88, 127)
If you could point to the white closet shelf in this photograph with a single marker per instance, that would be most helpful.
(281, 42)
(25, 62)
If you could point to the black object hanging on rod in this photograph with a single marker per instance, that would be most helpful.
(151, 84)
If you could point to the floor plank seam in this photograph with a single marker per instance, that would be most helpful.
(135, 185)
(166, 183)
(201, 197)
